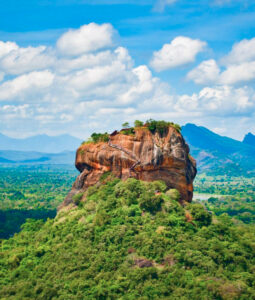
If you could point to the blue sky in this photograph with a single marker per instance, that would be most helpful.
(185, 61)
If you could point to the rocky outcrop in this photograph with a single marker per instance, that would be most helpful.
(145, 156)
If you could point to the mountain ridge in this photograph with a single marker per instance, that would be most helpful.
(211, 150)
(40, 143)
(34, 157)
(215, 151)
(249, 139)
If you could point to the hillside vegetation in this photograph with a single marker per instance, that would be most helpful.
(129, 240)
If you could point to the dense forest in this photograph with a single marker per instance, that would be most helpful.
(126, 242)
(228, 194)
(31, 191)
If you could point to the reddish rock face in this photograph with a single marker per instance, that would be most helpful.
(144, 156)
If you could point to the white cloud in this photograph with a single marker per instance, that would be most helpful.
(142, 86)
(219, 101)
(31, 82)
(238, 73)
(241, 52)
(99, 89)
(86, 39)
(65, 65)
(180, 51)
(7, 47)
(21, 60)
(239, 66)
(207, 72)
(225, 100)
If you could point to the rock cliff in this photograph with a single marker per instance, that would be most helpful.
(144, 155)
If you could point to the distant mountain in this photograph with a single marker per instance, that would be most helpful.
(213, 152)
(218, 153)
(30, 157)
(249, 139)
(40, 143)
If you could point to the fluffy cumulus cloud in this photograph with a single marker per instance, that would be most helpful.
(222, 101)
(207, 72)
(27, 83)
(235, 68)
(243, 72)
(7, 47)
(241, 52)
(88, 38)
(182, 50)
(84, 84)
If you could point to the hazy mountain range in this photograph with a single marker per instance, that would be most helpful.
(212, 151)
(249, 139)
(215, 152)
(40, 149)
(32, 157)
(40, 143)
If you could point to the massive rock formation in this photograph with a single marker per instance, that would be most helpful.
(146, 156)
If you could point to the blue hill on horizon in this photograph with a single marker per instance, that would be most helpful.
(249, 139)
(32, 157)
(212, 150)
(40, 143)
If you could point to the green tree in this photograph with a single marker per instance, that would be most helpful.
(138, 123)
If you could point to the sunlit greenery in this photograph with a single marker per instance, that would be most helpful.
(228, 194)
(153, 125)
(97, 138)
(31, 192)
(161, 126)
(119, 245)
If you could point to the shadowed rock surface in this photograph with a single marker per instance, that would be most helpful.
(145, 156)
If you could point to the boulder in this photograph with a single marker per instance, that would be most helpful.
(143, 155)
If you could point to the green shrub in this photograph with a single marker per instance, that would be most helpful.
(158, 185)
(77, 198)
(129, 191)
(105, 176)
(100, 137)
(128, 131)
(125, 125)
(174, 194)
(97, 138)
(151, 202)
(200, 214)
(138, 123)
(161, 126)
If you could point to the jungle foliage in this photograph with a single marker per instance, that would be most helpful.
(31, 192)
(130, 240)
(232, 195)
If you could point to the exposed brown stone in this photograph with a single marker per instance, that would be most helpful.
(144, 156)
(143, 263)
